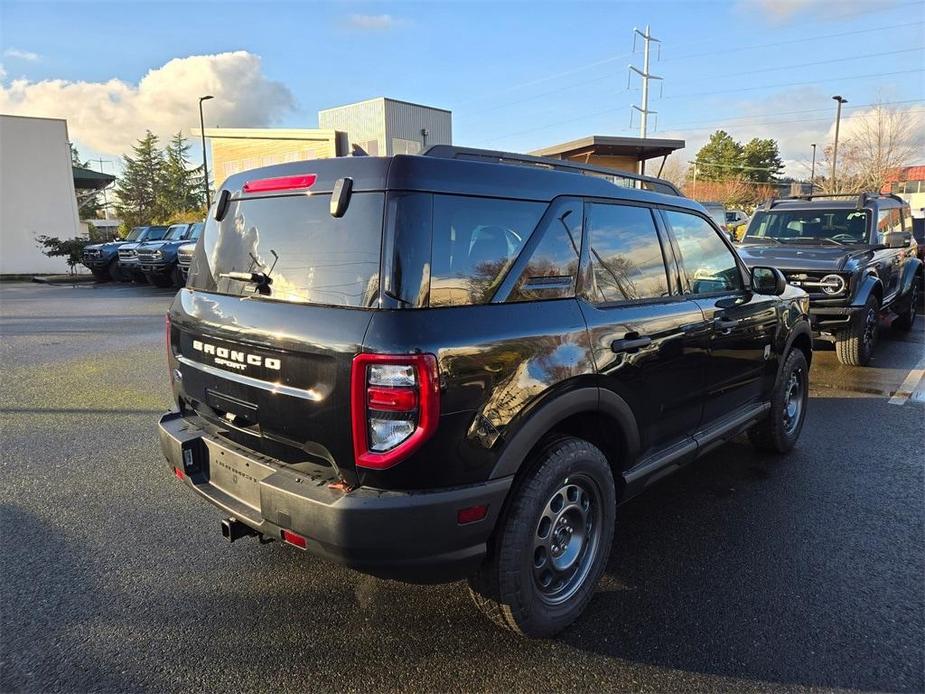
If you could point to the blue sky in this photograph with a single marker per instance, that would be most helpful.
(517, 75)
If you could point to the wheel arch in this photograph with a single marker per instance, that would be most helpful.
(869, 285)
(597, 415)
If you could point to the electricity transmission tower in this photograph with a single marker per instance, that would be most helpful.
(643, 109)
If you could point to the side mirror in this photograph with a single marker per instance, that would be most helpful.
(897, 239)
(768, 280)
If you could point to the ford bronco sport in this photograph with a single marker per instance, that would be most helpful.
(854, 254)
(458, 364)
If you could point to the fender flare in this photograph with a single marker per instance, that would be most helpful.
(801, 328)
(911, 268)
(867, 285)
(538, 423)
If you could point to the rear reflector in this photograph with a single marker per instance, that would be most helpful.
(266, 185)
(294, 539)
(471, 514)
(179, 473)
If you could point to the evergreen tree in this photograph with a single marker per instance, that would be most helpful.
(763, 159)
(138, 189)
(720, 158)
(181, 187)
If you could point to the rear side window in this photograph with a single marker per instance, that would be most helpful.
(626, 256)
(709, 264)
(552, 268)
(310, 256)
(475, 241)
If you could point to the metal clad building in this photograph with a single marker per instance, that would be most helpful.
(384, 127)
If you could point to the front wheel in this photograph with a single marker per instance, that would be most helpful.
(855, 345)
(552, 544)
(779, 431)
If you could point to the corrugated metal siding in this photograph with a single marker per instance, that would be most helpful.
(385, 121)
(405, 121)
(362, 122)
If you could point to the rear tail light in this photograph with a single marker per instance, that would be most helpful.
(395, 405)
(267, 185)
(167, 342)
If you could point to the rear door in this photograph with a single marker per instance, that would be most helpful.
(272, 361)
(742, 324)
(649, 343)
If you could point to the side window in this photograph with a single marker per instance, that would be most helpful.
(709, 264)
(475, 241)
(552, 268)
(626, 257)
(888, 220)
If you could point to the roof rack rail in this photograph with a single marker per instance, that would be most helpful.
(862, 198)
(626, 179)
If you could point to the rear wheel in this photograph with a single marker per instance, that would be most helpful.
(552, 544)
(779, 431)
(855, 345)
(906, 319)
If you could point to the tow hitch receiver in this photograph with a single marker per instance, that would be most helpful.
(233, 529)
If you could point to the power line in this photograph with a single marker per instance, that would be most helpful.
(793, 84)
(684, 124)
(815, 62)
(782, 122)
(788, 42)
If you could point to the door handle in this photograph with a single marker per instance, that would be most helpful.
(632, 342)
(725, 323)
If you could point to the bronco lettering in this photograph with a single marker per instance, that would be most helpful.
(237, 358)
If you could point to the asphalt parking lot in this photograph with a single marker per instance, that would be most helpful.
(741, 572)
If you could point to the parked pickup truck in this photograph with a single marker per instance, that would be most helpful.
(157, 260)
(456, 365)
(854, 254)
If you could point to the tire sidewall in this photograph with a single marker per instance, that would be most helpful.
(534, 616)
(795, 361)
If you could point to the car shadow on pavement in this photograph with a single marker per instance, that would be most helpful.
(798, 570)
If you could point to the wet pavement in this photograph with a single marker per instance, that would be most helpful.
(740, 573)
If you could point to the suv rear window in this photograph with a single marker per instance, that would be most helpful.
(310, 256)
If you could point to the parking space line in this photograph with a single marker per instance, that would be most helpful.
(909, 384)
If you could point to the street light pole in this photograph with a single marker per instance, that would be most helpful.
(812, 171)
(840, 101)
(205, 164)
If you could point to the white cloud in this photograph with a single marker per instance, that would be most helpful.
(374, 22)
(781, 11)
(108, 117)
(21, 54)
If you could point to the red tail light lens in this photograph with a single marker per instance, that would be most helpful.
(395, 405)
(267, 185)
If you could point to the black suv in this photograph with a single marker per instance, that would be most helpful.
(458, 364)
(854, 254)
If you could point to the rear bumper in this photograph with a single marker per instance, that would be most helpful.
(409, 536)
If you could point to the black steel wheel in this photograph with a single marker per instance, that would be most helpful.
(780, 429)
(551, 543)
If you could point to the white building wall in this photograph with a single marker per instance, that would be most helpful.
(36, 193)
(383, 127)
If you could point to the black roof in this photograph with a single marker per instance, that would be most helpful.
(840, 201)
(443, 174)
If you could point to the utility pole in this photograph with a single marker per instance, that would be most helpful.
(205, 164)
(644, 111)
(812, 170)
(840, 101)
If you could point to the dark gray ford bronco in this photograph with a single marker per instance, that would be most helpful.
(854, 254)
(456, 365)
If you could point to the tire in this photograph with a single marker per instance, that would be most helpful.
(569, 494)
(115, 273)
(855, 345)
(906, 319)
(161, 281)
(178, 281)
(779, 431)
